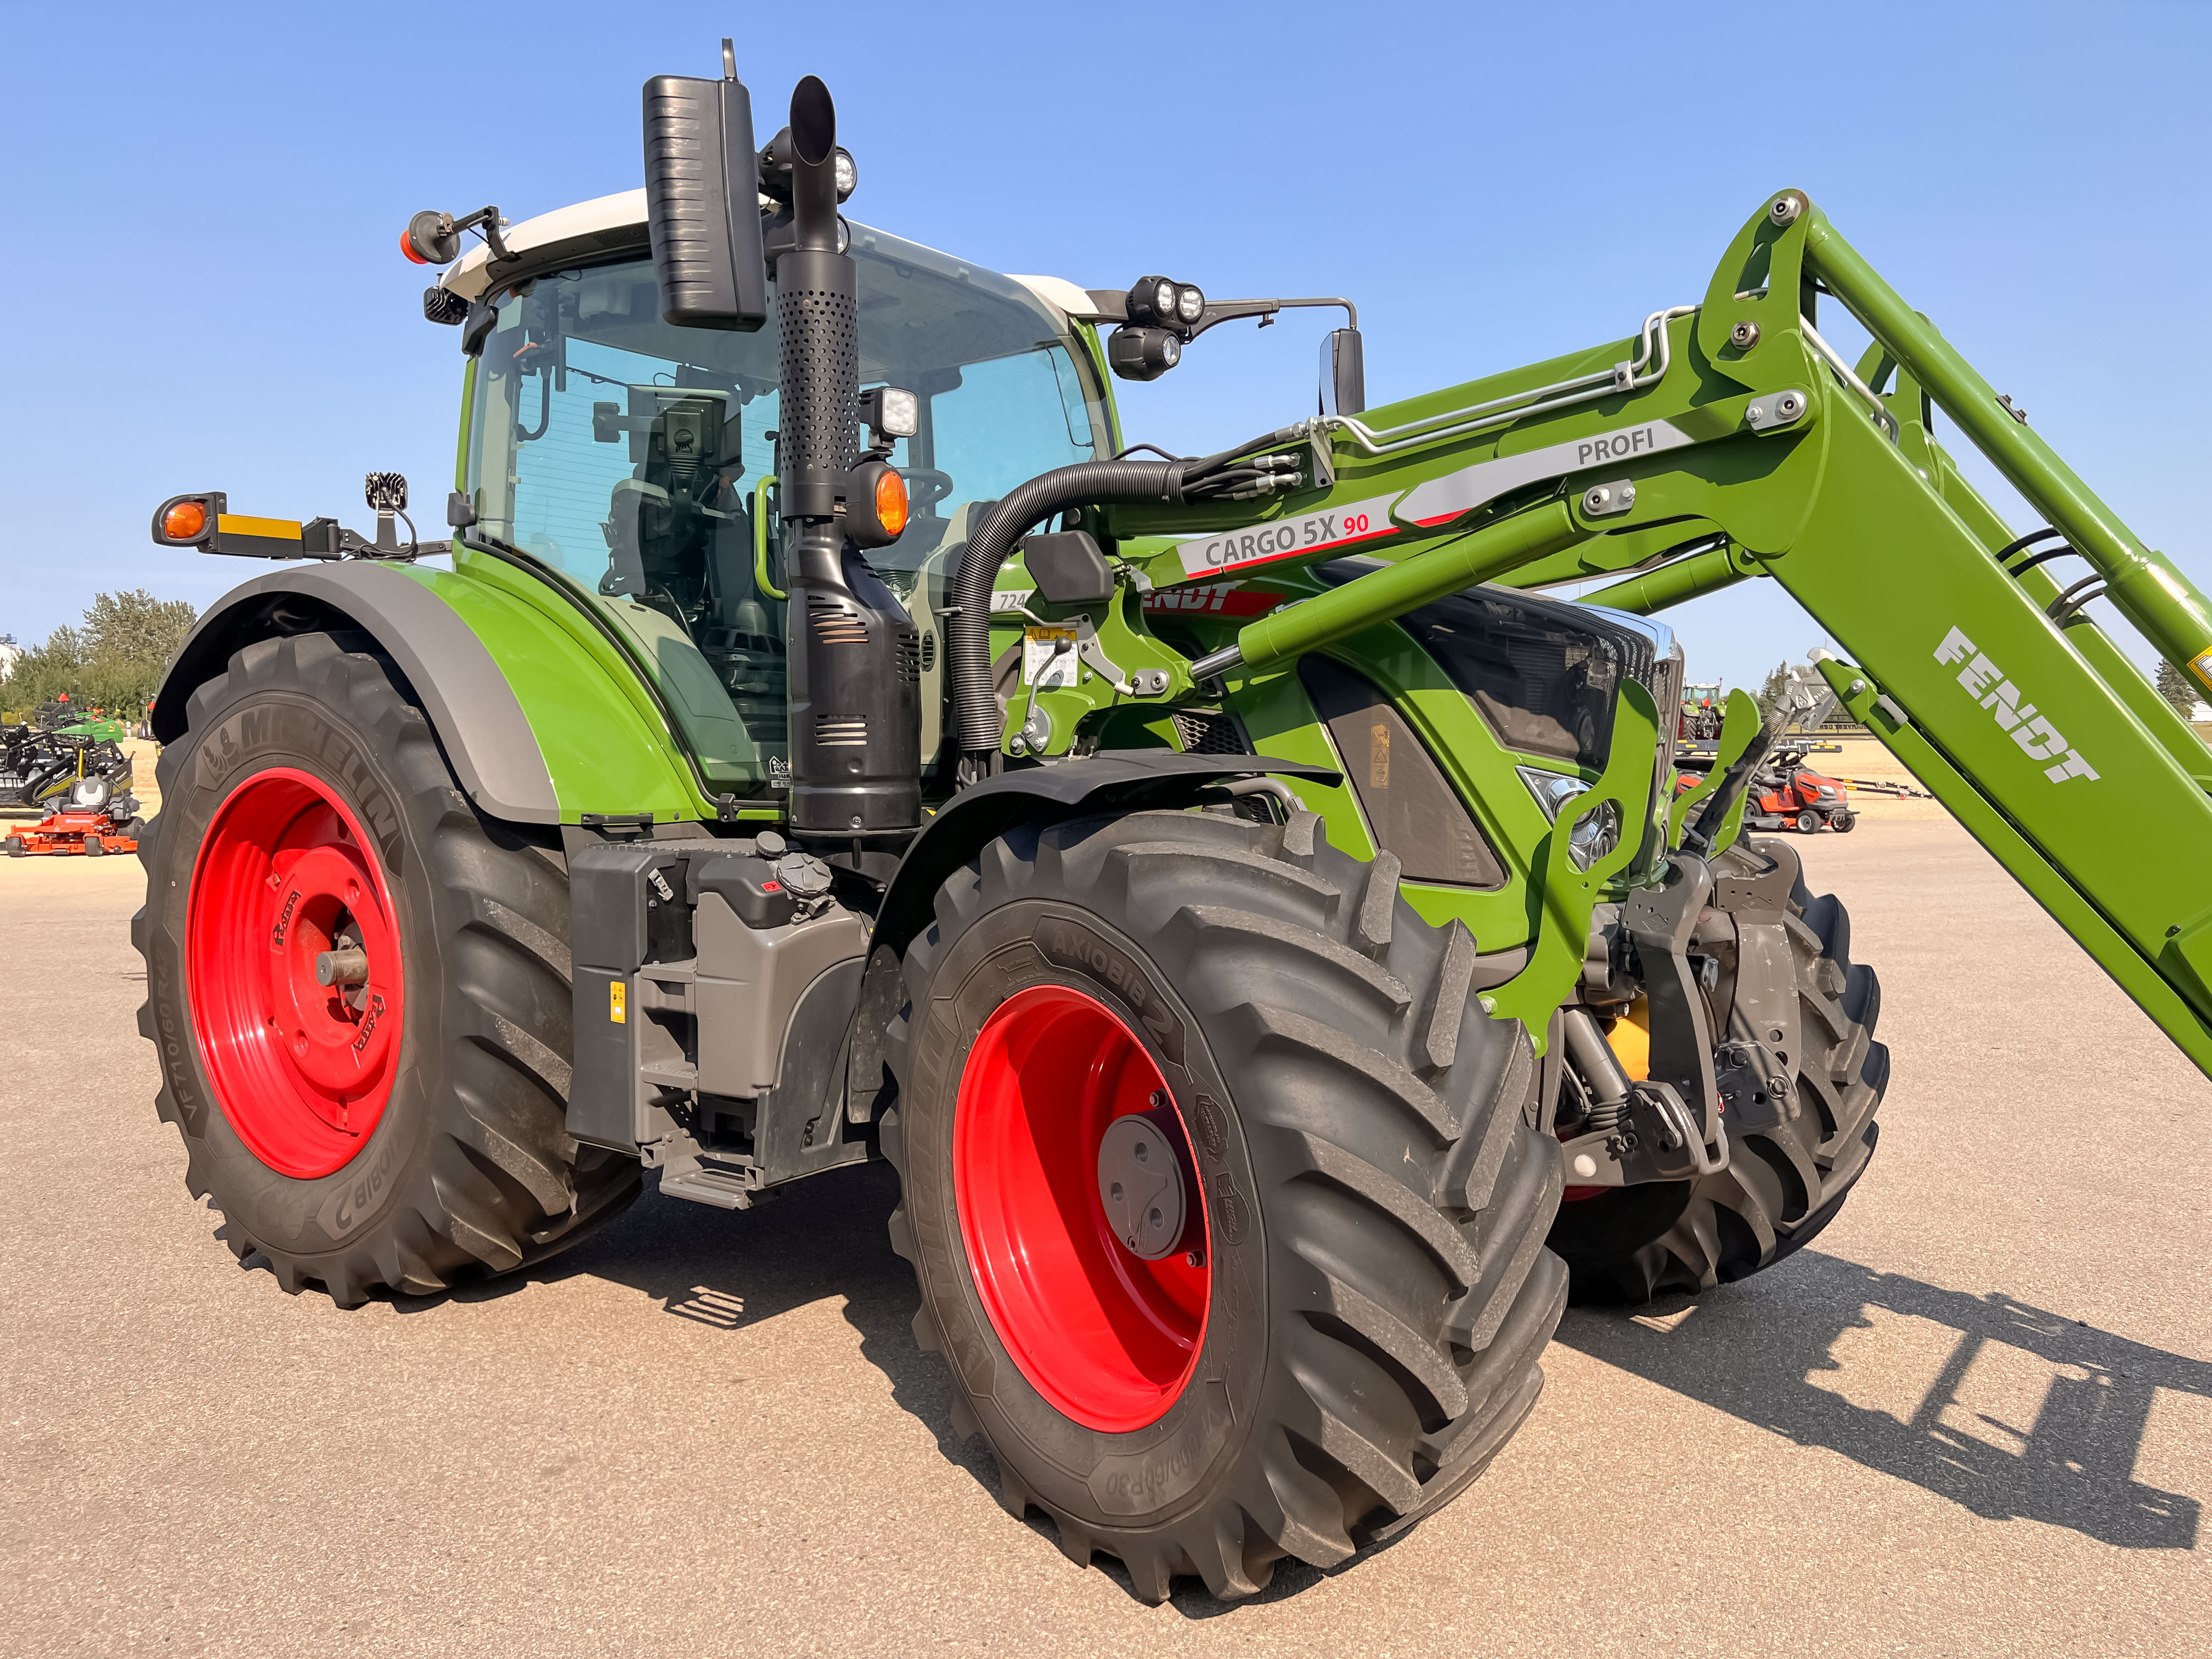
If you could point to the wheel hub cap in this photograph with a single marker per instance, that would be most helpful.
(1140, 1186)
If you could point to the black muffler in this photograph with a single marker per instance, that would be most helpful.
(854, 655)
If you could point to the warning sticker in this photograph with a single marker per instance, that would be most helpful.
(617, 1004)
(1048, 660)
(2202, 667)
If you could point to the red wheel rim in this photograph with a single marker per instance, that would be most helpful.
(1108, 1339)
(303, 1071)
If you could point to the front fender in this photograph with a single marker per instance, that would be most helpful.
(1119, 781)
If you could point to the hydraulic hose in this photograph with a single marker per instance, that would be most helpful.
(968, 628)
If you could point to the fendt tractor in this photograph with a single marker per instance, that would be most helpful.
(1263, 933)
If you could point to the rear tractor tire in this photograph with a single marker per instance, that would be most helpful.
(1784, 1181)
(1221, 1191)
(406, 1131)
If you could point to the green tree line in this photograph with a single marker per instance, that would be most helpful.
(113, 660)
(2178, 690)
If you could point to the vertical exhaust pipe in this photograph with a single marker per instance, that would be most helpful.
(854, 657)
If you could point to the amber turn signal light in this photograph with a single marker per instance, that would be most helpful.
(875, 501)
(892, 502)
(185, 521)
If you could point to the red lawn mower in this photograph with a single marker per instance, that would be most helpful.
(89, 818)
(1790, 795)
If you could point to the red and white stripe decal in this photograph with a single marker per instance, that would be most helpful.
(1436, 501)
(1215, 599)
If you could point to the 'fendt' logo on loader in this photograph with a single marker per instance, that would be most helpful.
(1985, 680)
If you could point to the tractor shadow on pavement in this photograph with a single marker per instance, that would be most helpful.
(820, 1238)
(824, 1238)
(2010, 1410)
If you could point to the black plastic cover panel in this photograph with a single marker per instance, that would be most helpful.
(1409, 804)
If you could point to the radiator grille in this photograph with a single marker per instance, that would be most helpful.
(1210, 734)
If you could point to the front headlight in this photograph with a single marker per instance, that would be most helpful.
(1595, 834)
(1592, 835)
(1552, 790)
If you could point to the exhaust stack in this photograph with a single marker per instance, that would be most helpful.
(854, 655)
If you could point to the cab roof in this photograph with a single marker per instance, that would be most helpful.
(607, 224)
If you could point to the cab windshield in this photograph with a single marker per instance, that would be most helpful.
(625, 452)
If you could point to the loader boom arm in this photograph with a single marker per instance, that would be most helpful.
(1738, 443)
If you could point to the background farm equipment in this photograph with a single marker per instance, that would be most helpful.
(1699, 729)
(82, 768)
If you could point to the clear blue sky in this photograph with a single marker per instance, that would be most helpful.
(204, 204)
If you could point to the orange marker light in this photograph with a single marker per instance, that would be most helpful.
(407, 248)
(890, 502)
(185, 521)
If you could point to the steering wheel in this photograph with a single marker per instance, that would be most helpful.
(926, 486)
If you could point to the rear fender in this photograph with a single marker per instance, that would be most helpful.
(536, 729)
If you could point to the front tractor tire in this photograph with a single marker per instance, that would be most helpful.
(402, 1127)
(1786, 1180)
(1221, 1190)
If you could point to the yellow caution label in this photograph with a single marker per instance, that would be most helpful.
(237, 524)
(2202, 667)
(617, 1003)
(1048, 658)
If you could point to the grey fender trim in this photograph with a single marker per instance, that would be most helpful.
(486, 734)
(1115, 780)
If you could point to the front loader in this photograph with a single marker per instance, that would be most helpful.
(1268, 942)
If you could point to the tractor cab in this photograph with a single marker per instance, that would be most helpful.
(635, 462)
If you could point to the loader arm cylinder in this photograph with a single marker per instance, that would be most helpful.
(2146, 589)
(1674, 584)
(1398, 588)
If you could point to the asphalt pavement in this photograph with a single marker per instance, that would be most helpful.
(1975, 1418)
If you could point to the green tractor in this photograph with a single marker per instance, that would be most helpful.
(1266, 936)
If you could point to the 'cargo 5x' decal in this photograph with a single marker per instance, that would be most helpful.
(2032, 732)
(1437, 501)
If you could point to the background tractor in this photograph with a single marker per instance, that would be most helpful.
(1266, 937)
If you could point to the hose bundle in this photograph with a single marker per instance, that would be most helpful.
(1233, 475)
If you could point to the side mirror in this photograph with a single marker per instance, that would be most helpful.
(703, 200)
(1343, 373)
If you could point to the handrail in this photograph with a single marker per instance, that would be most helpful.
(760, 539)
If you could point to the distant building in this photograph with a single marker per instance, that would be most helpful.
(11, 654)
